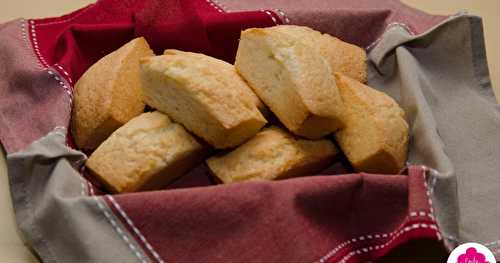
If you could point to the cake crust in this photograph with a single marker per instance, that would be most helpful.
(145, 154)
(108, 94)
(272, 154)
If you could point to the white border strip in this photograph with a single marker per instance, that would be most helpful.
(35, 44)
(137, 232)
(334, 251)
(429, 200)
(362, 250)
(24, 34)
(70, 81)
(271, 16)
(44, 65)
(215, 6)
(68, 19)
(134, 249)
(285, 17)
(388, 28)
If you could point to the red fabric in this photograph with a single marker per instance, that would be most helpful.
(296, 220)
(80, 39)
(360, 22)
(356, 217)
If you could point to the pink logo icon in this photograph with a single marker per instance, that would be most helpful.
(472, 256)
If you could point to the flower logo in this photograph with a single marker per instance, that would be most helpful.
(472, 256)
(471, 252)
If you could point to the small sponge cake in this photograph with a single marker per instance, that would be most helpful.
(201, 95)
(273, 154)
(375, 138)
(293, 80)
(108, 94)
(146, 153)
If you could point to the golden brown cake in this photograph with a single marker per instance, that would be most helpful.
(375, 138)
(146, 153)
(228, 70)
(293, 80)
(273, 154)
(343, 57)
(108, 94)
(202, 96)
